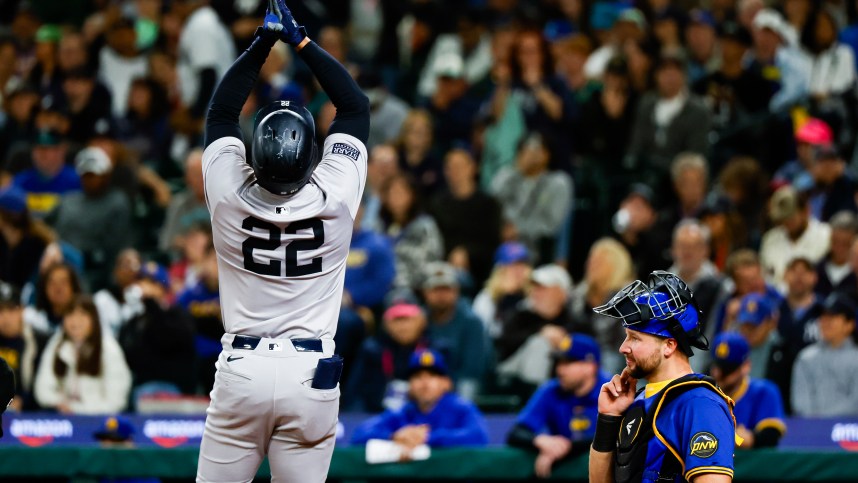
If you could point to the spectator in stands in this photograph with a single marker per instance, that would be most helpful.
(795, 234)
(536, 329)
(535, 200)
(20, 106)
(702, 42)
(668, 122)
(469, 220)
(825, 376)
(88, 103)
(45, 74)
(832, 74)
(689, 173)
(194, 243)
(144, 129)
(505, 288)
(744, 183)
(120, 62)
(452, 110)
(559, 420)
(746, 275)
(635, 227)
(630, 25)
(690, 251)
(159, 341)
(835, 189)
(120, 301)
(58, 286)
(82, 371)
(809, 137)
(188, 205)
(454, 329)
(97, 220)
(834, 272)
(726, 230)
(386, 110)
(370, 267)
(383, 164)
(23, 239)
(379, 379)
(757, 322)
(416, 154)
(434, 415)
(205, 51)
(608, 269)
(20, 346)
(416, 239)
(759, 408)
(49, 178)
(202, 301)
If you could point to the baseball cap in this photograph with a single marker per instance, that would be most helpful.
(92, 160)
(731, 351)
(116, 429)
(47, 137)
(49, 33)
(672, 57)
(557, 29)
(427, 360)
(402, 303)
(755, 309)
(511, 252)
(715, 205)
(642, 190)
(450, 65)
(632, 15)
(7, 388)
(734, 31)
(768, 18)
(814, 131)
(578, 347)
(440, 274)
(840, 304)
(13, 200)
(552, 276)
(154, 272)
(10, 296)
(784, 203)
(702, 17)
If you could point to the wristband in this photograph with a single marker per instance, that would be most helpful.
(607, 429)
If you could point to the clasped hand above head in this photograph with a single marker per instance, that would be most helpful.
(278, 18)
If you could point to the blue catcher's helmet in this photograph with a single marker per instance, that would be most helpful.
(283, 151)
(664, 306)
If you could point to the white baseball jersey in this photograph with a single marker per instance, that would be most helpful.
(282, 259)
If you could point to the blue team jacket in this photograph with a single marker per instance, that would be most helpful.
(759, 406)
(452, 422)
(555, 411)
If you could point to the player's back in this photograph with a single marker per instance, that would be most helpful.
(282, 260)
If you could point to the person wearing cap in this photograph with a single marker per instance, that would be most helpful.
(757, 321)
(825, 375)
(451, 107)
(87, 102)
(759, 408)
(7, 389)
(834, 186)
(115, 431)
(97, 220)
(20, 345)
(433, 415)
(23, 239)
(505, 287)
(158, 338)
(681, 425)
(379, 378)
(535, 330)
(469, 219)
(702, 40)
(795, 234)
(628, 24)
(776, 55)
(453, 327)
(50, 177)
(560, 418)
(835, 272)
(810, 136)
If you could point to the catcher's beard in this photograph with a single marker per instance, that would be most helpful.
(645, 367)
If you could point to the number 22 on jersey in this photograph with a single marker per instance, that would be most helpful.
(273, 267)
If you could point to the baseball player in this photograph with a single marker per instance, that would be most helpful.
(680, 427)
(282, 221)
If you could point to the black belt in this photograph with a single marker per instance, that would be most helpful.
(250, 342)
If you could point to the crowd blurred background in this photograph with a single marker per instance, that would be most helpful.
(527, 159)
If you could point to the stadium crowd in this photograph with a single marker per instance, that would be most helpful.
(528, 158)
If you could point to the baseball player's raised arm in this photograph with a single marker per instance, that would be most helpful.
(352, 104)
(232, 92)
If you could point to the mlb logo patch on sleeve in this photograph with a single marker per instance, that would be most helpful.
(345, 150)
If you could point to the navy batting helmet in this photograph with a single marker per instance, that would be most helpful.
(284, 147)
